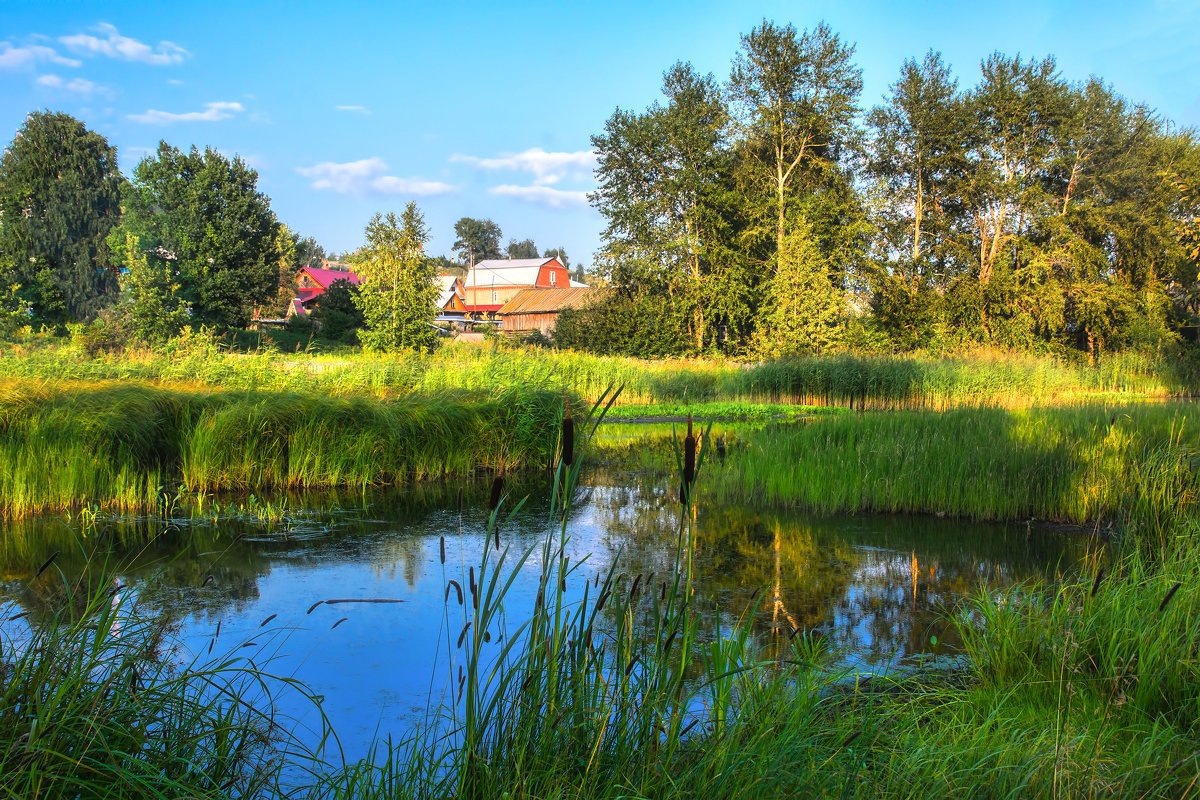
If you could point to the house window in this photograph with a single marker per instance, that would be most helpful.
(553, 276)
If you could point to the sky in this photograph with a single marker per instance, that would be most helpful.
(487, 109)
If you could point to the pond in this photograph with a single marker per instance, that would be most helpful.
(877, 588)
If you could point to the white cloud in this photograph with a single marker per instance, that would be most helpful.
(79, 86)
(368, 175)
(17, 57)
(547, 168)
(112, 44)
(542, 195)
(355, 109)
(213, 112)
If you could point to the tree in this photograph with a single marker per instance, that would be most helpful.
(150, 302)
(336, 310)
(398, 293)
(307, 252)
(522, 249)
(665, 180)
(477, 240)
(60, 194)
(561, 254)
(795, 98)
(204, 212)
(806, 308)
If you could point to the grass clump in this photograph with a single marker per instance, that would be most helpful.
(119, 446)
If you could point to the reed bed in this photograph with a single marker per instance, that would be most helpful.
(1090, 465)
(977, 380)
(121, 446)
(617, 687)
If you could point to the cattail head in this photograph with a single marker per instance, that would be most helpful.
(1170, 594)
(689, 454)
(1096, 583)
(443, 548)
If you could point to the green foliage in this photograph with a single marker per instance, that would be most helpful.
(203, 214)
(525, 248)
(59, 198)
(476, 240)
(337, 313)
(805, 309)
(398, 294)
(150, 297)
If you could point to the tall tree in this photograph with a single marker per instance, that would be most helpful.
(795, 98)
(560, 253)
(476, 240)
(522, 249)
(204, 212)
(808, 309)
(398, 293)
(665, 192)
(60, 197)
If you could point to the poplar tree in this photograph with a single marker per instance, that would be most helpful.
(398, 294)
(60, 195)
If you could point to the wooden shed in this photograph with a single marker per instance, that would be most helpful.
(538, 309)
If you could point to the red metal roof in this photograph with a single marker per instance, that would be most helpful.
(326, 277)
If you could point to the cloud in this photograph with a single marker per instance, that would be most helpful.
(17, 57)
(112, 44)
(79, 86)
(213, 112)
(547, 168)
(542, 195)
(368, 175)
(355, 109)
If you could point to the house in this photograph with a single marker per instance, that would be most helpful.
(452, 302)
(493, 282)
(538, 309)
(311, 283)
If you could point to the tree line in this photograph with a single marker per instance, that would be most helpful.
(770, 213)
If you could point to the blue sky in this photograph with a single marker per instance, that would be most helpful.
(486, 109)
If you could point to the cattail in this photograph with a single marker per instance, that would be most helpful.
(850, 739)
(721, 448)
(207, 578)
(496, 533)
(667, 644)
(457, 590)
(688, 727)
(603, 599)
(662, 592)
(1096, 583)
(339, 622)
(463, 635)
(633, 591)
(313, 606)
(268, 619)
(471, 576)
(45, 566)
(443, 548)
(568, 438)
(497, 491)
(632, 663)
(1170, 593)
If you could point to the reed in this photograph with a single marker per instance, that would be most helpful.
(975, 380)
(117, 446)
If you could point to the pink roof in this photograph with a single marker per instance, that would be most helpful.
(326, 277)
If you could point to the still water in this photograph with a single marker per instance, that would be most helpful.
(878, 588)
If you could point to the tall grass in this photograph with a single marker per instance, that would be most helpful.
(94, 704)
(877, 382)
(117, 446)
(1133, 465)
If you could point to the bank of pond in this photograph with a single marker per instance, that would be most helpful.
(1026, 626)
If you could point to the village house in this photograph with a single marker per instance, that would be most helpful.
(493, 282)
(311, 283)
(532, 310)
(452, 302)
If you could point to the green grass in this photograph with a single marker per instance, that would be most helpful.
(982, 379)
(121, 446)
(1088, 465)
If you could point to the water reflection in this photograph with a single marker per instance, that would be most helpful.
(876, 587)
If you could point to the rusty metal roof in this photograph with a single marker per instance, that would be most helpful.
(548, 301)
